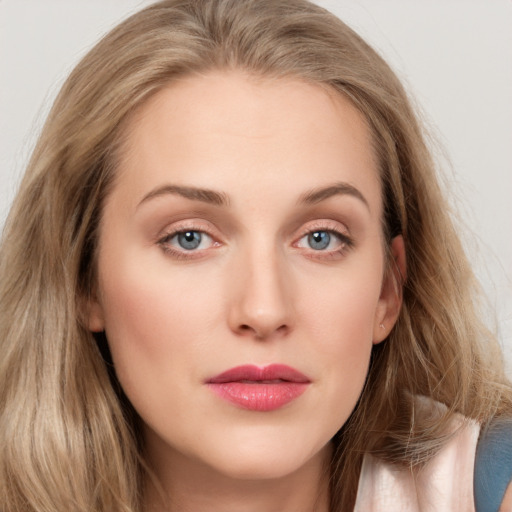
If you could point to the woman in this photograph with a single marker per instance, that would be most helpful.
(229, 281)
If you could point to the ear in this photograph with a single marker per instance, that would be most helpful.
(94, 315)
(390, 300)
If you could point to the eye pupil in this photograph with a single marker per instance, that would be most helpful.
(319, 240)
(189, 240)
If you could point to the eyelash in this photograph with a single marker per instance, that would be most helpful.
(346, 242)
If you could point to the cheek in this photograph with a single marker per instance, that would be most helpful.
(339, 318)
(143, 294)
(344, 338)
(155, 322)
(341, 313)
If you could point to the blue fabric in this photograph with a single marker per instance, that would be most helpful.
(493, 465)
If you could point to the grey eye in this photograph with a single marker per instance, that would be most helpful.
(319, 240)
(189, 240)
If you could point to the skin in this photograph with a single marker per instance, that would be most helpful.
(253, 292)
(506, 505)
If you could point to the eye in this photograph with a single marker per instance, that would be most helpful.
(188, 240)
(323, 240)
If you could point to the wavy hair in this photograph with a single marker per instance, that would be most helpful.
(68, 437)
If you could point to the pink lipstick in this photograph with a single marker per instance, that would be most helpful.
(259, 389)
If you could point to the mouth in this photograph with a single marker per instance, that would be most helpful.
(259, 388)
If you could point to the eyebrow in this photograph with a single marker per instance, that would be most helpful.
(321, 194)
(193, 193)
(221, 199)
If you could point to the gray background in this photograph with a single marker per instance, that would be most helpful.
(455, 57)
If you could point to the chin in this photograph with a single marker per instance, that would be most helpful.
(265, 461)
(262, 469)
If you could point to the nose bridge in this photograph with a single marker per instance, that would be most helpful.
(262, 304)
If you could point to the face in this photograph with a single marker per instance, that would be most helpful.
(242, 272)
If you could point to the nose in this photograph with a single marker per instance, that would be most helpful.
(261, 305)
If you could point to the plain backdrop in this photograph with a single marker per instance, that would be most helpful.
(454, 56)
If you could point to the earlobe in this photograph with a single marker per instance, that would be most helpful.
(390, 300)
(94, 316)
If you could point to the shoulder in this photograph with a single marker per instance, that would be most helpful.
(493, 467)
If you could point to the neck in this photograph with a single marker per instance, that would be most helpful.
(186, 485)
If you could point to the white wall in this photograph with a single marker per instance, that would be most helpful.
(454, 55)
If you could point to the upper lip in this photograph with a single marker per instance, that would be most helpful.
(253, 373)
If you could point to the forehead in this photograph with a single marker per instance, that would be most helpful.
(231, 130)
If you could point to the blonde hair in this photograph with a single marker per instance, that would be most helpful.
(68, 437)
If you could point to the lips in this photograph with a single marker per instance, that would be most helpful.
(259, 388)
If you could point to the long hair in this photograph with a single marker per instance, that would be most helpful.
(68, 437)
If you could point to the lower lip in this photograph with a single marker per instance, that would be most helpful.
(259, 396)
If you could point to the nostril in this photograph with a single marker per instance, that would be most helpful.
(261, 333)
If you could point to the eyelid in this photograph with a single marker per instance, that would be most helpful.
(323, 225)
(188, 225)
